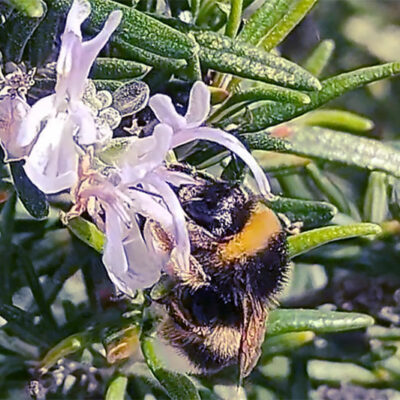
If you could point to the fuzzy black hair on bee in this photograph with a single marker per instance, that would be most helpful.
(217, 310)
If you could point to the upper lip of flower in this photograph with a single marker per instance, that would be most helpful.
(188, 128)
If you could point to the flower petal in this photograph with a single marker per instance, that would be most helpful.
(13, 111)
(114, 257)
(83, 118)
(76, 58)
(130, 263)
(78, 12)
(53, 161)
(144, 267)
(150, 207)
(199, 105)
(165, 112)
(176, 210)
(231, 143)
(145, 154)
(31, 124)
(176, 178)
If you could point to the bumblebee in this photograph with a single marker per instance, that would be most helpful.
(217, 310)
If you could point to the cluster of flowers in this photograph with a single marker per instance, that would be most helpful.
(59, 137)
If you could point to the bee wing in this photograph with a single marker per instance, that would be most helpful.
(253, 332)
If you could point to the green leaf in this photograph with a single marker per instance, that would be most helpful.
(67, 346)
(7, 226)
(117, 388)
(338, 120)
(376, 198)
(265, 114)
(331, 191)
(344, 148)
(31, 8)
(235, 57)
(31, 197)
(20, 323)
(178, 386)
(87, 232)
(107, 84)
(310, 213)
(116, 68)
(296, 320)
(25, 265)
(292, 17)
(234, 19)
(285, 343)
(263, 91)
(147, 57)
(309, 240)
(319, 58)
(280, 164)
(338, 372)
(383, 333)
(263, 20)
(294, 185)
(265, 141)
(41, 45)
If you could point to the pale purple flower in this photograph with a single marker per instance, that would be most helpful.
(188, 128)
(144, 165)
(132, 256)
(13, 110)
(56, 123)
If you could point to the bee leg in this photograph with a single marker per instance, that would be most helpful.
(194, 276)
(292, 228)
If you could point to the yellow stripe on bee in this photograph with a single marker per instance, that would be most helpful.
(254, 237)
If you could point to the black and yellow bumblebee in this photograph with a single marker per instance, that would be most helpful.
(217, 310)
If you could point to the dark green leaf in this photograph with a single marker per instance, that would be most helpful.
(116, 68)
(32, 198)
(310, 213)
(18, 30)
